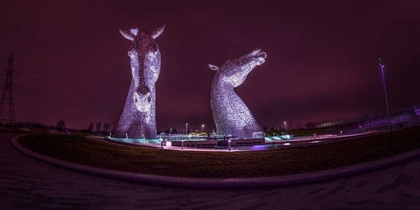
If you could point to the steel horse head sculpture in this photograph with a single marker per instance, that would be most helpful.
(230, 113)
(138, 119)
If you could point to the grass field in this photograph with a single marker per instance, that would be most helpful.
(80, 150)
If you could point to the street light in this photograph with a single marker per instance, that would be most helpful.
(170, 131)
(202, 127)
(186, 128)
(381, 65)
(285, 124)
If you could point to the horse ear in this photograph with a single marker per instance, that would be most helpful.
(134, 31)
(158, 32)
(213, 67)
(127, 34)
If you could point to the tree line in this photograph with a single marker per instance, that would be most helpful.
(98, 128)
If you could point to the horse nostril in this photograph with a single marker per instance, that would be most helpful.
(262, 55)
(149, 99)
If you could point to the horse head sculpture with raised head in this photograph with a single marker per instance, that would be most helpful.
(138, 119)
(230, 113)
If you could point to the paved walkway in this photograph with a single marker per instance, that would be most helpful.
(28, 184)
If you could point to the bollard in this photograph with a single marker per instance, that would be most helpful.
(182, 145)
(229, 145)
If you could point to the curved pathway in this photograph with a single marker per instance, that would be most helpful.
(29, 184)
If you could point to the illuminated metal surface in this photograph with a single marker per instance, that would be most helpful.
(138, 119)
(230, 113)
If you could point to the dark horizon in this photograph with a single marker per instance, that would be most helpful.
(321, 58)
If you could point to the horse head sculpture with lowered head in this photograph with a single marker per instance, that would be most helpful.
(145, 64)
(139, 118)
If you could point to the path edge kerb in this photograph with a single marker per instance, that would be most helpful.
(221, 182)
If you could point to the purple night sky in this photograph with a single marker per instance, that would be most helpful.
(321, 62)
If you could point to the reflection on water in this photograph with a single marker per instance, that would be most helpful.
(279, 137)
(260, 147)
(136, 141)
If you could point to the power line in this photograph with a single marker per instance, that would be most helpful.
(69, 90)
(20, 91)
(97, 94)
(39, 70)
(67, 102)
(37, 92)
(83, 100)
(45, 98)
(64, 98)
(42, 73)
(58, 75)
(37, 79)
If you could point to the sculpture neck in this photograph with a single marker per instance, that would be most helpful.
(223, 90)
(220, 83)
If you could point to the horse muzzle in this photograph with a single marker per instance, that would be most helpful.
(143, 102)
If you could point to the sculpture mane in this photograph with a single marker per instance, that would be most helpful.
(138, 119)
(231, 115)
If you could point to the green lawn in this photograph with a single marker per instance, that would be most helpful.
(78, 149)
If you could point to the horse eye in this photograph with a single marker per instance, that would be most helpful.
(130, 54)
(153, 54)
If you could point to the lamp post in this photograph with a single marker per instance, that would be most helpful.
(202, 128)
(381, 65)
(186, 128)
(285, 124)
